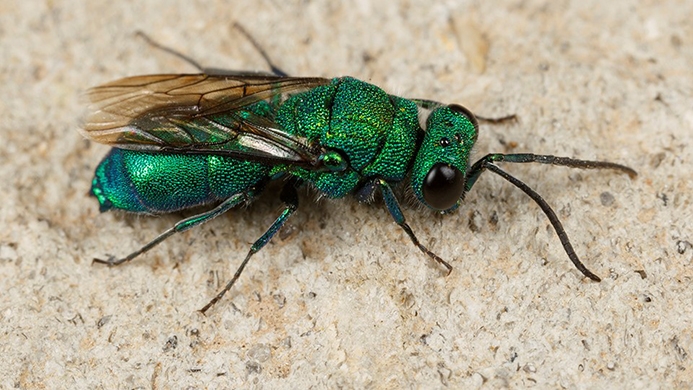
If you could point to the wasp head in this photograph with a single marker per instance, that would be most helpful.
(442, 161)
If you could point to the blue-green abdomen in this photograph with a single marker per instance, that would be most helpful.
(160, 183)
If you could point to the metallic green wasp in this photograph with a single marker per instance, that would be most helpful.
(184, 140)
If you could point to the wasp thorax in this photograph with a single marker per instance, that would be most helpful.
(334, 161)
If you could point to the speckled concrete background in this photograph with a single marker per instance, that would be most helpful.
(342, 298)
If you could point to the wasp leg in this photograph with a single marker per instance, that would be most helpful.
(366, 192)
(180, 227)
(175, 53)
(289, 196)
(275, 71)
(396, 212)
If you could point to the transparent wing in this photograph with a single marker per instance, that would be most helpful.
(198, 114)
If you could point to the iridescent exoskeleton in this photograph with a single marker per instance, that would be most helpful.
(184, 140)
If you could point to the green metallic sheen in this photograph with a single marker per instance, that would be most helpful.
(461, 134)
(366, 133)
(159, 183)
(220, 138)
(375, 132)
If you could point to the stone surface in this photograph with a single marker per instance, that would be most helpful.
(342, 298)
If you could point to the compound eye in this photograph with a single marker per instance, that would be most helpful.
(443, 186)
(456, 108)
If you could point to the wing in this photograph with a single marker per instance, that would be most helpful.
(199, 114)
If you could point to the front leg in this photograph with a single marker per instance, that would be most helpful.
(396, 212)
